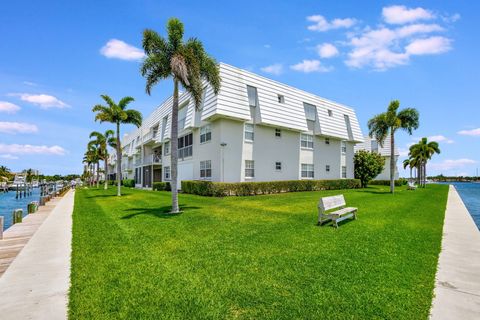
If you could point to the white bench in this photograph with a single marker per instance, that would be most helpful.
(335, 202)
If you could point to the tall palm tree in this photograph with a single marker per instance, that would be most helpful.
(188, 65)
(117, 114)
(104, 141)
(423, 152)
(387, 123)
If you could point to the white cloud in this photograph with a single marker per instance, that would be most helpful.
(403, 152)
(382, 48)
(432, 45)
(308, 66)
(8, 107)
(267, 46)
(440, 138)
(473, 132)
(17, 127)
(45, 101)
(8, 156)
(31, 149)
(401, 14)
(321, 24)
(118, 49)
(451, 164)
(275, 69)
(327, 50)
(29, 83)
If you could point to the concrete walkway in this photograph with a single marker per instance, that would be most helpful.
(36, 284)
(457, 286)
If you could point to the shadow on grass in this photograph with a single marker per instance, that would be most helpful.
(161, 212)
(374, 190)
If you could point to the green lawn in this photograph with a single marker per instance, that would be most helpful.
(257, 257)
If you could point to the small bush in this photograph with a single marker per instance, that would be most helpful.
(221, 189)
(161, 186)
(129, 183)
(398, 183)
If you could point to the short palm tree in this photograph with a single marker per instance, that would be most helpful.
(90, 159)
(104, 141)
(117, 114)
(188, 65)
(422, 152)
(387, 123)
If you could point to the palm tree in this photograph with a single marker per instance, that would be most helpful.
(104, 141)
(188, 65)
(422, 152)
(90, 159)
(117, 114)
(387, 123)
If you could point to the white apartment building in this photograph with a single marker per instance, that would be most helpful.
(255, 129)
(372, 145)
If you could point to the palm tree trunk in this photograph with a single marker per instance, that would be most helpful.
(392, 161)
(174, 149)
(98, 173)
(106, 171)
(119, 162)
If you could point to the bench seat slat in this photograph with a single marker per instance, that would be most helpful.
(331, 203)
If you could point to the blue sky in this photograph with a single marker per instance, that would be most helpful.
(57, 57)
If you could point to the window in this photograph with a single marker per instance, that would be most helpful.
(164, 126)
(327, 140)
(306, 141)
(344, 172)
(310, 111)
(252, 96)
(281, 99)
(330, 113)
(249, 169)
(185, 146)
(278, 133)
(166, 173)
(204, 98)
(278, 166)
(182, 115)
(307, 170)
(166, 148)
(344, 147)
(249, 134)
(206, 169)
(327, 168)
(205, 133)
(154, 132)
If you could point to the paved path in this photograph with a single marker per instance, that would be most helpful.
(36, 284)
(18, 235)
(457, 287)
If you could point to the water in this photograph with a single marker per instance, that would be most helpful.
(470, 194)
(8, 203)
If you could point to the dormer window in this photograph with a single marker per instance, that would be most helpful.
(252, 96)
(310, 111)
(281, 99)
(327, 140)
(330, 113)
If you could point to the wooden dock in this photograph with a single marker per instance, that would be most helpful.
(18, 235)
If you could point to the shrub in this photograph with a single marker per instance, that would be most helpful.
(368, 165)
(129, 183)
(221, 189)
(161, 186)
(398, 183)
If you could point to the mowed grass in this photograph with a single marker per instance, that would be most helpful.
(257, 257)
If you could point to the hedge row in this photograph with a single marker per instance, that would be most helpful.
(162, 186)
(398, 183)
(130, 183)
(221, 189)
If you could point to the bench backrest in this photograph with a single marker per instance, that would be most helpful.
(328, 203)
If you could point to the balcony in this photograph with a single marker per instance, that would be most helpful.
(152, 159)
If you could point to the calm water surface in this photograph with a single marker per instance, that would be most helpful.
(8, 203)
(470, 194)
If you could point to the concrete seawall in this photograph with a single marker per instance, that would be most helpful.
(457, 284)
